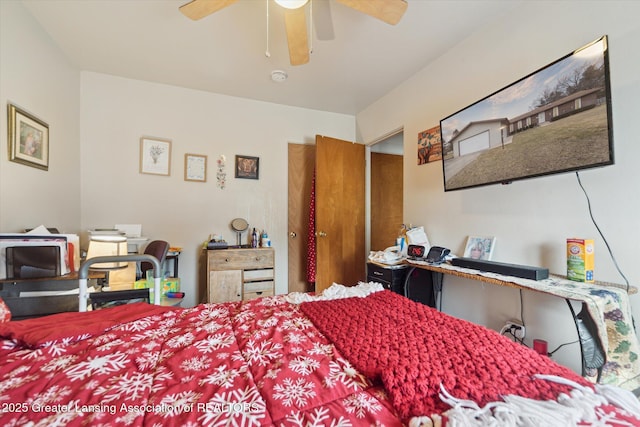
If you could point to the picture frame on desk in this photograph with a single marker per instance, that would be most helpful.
(480, 247)
(155, 156)
(28, 138)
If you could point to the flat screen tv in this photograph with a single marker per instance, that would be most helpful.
(556, 119)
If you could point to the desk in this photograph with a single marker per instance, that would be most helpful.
(607, 305)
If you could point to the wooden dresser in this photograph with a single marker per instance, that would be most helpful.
(240, 274)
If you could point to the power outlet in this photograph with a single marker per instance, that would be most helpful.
(514, 327)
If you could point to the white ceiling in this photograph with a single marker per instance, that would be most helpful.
(225, 52)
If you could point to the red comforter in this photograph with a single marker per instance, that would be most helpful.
(257, 363)
(349, 362)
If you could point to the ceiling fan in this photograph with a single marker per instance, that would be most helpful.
(389, 11)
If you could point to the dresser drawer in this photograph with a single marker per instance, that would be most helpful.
(391, 277)
(253, 295)
(267, 285)
(232, 259)
(262, 274)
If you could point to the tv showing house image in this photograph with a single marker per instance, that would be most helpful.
(557, 119)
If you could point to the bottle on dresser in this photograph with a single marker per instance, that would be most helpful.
(254, 238)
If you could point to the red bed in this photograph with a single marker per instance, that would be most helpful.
(377, 360)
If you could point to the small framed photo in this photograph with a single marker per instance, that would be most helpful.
(155, 156)
(247, 167)
(28, 138)
(480, 247)
(195, 167)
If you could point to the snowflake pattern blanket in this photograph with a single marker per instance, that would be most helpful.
(360, 361)
(238, 364)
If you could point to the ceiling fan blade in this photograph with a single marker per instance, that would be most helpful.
(322, 19)
(295, 22)
(389, 11)
(197, 9)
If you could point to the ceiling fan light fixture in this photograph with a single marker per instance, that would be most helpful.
(291, 4)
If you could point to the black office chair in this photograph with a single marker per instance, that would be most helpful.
(157, 248)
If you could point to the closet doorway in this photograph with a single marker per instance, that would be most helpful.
(302, 161)
(386, 191)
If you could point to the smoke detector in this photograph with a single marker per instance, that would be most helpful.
(278, 76)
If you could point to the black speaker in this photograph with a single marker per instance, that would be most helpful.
(524, 271)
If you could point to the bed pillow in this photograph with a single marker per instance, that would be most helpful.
(5, 314)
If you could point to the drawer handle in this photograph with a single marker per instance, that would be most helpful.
(377, 273)
(226, 260)
(259, 293)
(257, 258)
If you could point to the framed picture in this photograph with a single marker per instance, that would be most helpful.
(28, 138)
(429, 145)
(195, 167)
(479, 247)
(247, 167)
(155, 156)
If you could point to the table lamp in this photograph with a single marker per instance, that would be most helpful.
(107, 245)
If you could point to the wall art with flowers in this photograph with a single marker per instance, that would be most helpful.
(155, 156)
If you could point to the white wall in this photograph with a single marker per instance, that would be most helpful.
(95, 124)
(116, 112)
(36, 77)
(531, 219)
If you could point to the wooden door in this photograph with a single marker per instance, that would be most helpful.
(340, 212)
(386, 199)
(302, 159)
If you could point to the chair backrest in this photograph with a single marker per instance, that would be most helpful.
(157, 248)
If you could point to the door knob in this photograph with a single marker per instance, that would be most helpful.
(321, 234)
(293, 234)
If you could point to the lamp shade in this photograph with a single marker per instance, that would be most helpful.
(107, 245)
(291, 4)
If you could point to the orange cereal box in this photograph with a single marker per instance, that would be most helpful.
(580, 260)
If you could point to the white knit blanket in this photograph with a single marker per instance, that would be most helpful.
(336, 291)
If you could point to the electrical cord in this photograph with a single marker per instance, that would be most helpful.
(613, 258)
(437, 289)
(522, 309)
(560, 346)
(510, 331)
